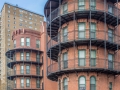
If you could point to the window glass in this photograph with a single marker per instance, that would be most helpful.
(82, 83)
(110, 61)
(22, 41)
(110, 35)
(14, 43)
(65, 84)
(22, 56)
(27, 41)
(92, 83)
(93, 58)
(27, 56)
(81, 30)
(38, 83)
(93, 30)
(65, 34)
(65, 8)
(93, 4)
(38, 57)
(22, 82)
(65, 60)
(81, 58)
(110, 86)
(37, 43)
(81, 4)
(22, 69)
(27, 69)
(27, 82)
(38, 70)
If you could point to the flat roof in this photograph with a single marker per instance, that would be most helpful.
(16, 6)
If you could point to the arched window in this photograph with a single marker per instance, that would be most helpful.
(65, 84)
(92, 83)
(82, 83)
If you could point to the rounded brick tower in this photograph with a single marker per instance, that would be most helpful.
(83, 44)
(25, 61)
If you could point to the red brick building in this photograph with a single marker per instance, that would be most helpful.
(27, 61)
(83, 47)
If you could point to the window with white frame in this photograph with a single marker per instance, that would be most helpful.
(27, 56)
(27, 69)
(22, 56)
(27, 41)
(22, 82)
(22, 69)
(22, 41)
(27, 82)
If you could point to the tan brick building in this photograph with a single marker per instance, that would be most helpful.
(13, 18)
(83, 44)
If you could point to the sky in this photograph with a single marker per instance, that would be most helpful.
(32, 5)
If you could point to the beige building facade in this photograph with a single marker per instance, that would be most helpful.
(13, 18)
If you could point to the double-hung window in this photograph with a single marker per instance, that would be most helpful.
(93, 4)
(14, 43)
(92, 30)
(22, 56)
(27, 56)
(37, 70)
(38, 57)
(65, 34)
(27, 69)
(27, 41)
(15, 83)
(110, 35)
(110, 9)
(81, 4)
(81, 30)
(92, 83)
(110, 86)
(65, 8)
(22, 41)
(81, 58)
(22, 82)
(37, 43)
(65, 60)
(28, 82)
(38, 83)
(22, 69)
(110, 61)
(93, 58)
(65, 84)
(82, 83)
